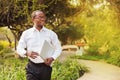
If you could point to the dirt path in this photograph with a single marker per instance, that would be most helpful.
(100, 71)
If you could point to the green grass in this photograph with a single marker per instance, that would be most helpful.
(90, 57)
(14, 69)
(113, 59)
(69, 70)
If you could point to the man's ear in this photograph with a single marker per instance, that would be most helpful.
(32, 20)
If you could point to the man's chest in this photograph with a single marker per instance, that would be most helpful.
(36, 38)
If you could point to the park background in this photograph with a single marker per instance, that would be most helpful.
(94, 23)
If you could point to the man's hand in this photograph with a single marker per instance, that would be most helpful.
(48, 61)
(32, 54)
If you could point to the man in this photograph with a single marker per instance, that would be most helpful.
(32, 39)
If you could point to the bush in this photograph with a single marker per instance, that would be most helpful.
(4, 49)
(1, 47)
(114, 59)
(93, 50)
(6, 44)
(69, 70)
(13, 69)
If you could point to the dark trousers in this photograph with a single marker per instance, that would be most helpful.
(38, 71)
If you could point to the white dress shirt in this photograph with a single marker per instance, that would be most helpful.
(32, 40)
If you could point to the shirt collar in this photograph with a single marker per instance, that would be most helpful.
(34, 29)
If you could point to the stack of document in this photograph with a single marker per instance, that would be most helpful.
(46, 51)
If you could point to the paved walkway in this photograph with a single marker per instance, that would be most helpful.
(100, 71)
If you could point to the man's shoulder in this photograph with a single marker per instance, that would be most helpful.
(28, 30)
(49, 30)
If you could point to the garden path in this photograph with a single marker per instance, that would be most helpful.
(100, 71)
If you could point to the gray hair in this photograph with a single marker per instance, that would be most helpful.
(34, 13)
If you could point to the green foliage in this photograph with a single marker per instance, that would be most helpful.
(16, 13)
(5, 50)
(6, 44)
(99, 18)
(70, 32)
(6, 34)
(1, 47)
(101, 26)
(89, 57)
(93, 50)
(69, 70)
(14, 69)
(114, 59)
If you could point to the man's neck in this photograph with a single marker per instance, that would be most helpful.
(39, 27)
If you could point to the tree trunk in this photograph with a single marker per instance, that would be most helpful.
(9, 40)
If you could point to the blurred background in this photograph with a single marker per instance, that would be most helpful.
(93, 26)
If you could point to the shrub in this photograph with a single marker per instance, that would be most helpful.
(13, 69)
(115, 58)
(69, 70)
(93, 49)
(6, 52)
(1, 47)
(6, 44)
(4, 49)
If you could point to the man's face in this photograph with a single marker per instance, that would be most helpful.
(39, 19)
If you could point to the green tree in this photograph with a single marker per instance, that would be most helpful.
(101, 27)
(70, 32)
(16, 13)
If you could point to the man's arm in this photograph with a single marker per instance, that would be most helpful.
(21, 46)
(56, 43)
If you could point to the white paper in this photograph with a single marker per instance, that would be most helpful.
(47, 50)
